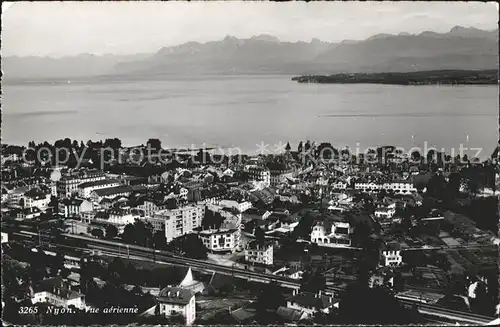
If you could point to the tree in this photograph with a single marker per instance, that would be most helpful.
(97, 232)
(65, 273)
(189, 245)
(139, 233)
(159, 240)
(154, 144)
(270, 296)
(384, 308)
(111, 232)
(288, 147)
(260, 235)
(307, 146)
(157, 310)
(313, 282)
(300, 147)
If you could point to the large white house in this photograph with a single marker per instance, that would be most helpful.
(122, 216)
(68, 185)
(176, 300)
(385, 212)
(240, 206)
(85, 189)
(400, 187)
(36, 199)
(259, 174)
(259, 253)
(331, 233)
(55, 291)
(75, 207)
(180, 221)
(220, 240)
(391, 254)
(310, 303)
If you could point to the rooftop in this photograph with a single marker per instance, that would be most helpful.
(175, 295)
(113, 190)
(97, 183)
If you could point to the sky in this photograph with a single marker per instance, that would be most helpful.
(69, 28)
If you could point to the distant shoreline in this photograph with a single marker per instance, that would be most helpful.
(433, 77)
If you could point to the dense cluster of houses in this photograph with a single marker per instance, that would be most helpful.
(178, 201)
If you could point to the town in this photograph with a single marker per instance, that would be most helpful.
(310, 235)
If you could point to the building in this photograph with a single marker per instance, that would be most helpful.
(259, 174)
(57, 292)
(391, 254)
(111, 192)
(280, 175)
(68, 185)
(220, 240)
(332, 233)
(179, 221)
(122, 216)
(35, 198)
(176, 300)
(29, 213)
(75, 207)
(150, 206)
(398, 187)
(259, 253)
(5, 238)
(310, 303)
(240, 206)
(290, 315)
(85, 189)
(293, 273)
(385, 212)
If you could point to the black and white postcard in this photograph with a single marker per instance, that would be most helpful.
(250, 163)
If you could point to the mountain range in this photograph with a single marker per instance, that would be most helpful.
(460, 48)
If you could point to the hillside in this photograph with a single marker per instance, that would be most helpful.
(460, 48)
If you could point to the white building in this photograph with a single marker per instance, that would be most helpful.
(122, 216)
(259, 174)
(289, 272)
(222, 240)
(385, 212)
(331, 233)
(339, 185)
(68, 186)
(75, 207)
(110, 192)
(5, 238)
(310, 303)
(149, 207)
(176, 300)
(391, 255)
(180, 221)
(56, 292)
(240, 206)
(280, 176)
(34, 199)
(400, 187)
(85, 189)
(259, 253)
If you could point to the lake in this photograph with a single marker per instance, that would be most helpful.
(243, 111)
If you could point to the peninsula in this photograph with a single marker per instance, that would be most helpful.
(450, 77)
